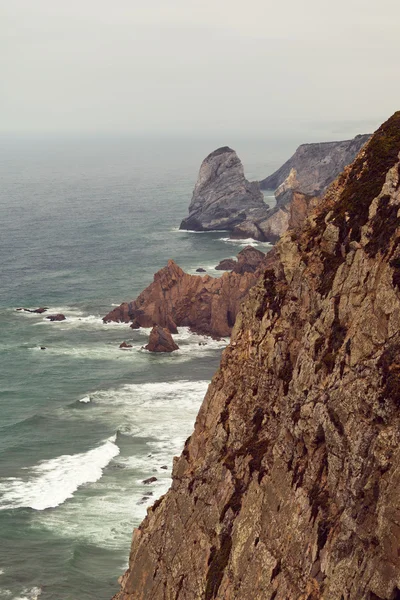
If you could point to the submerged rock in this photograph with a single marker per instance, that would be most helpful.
(200, 270)
(222, 196)
(160, 340)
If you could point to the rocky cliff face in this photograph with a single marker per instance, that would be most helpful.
(313, 167)
(206, 304)
(222, 196)
(289, 486)
(307, 173)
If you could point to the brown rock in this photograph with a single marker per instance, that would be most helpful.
(289, 485)
(124, 345)
(206, 304)
(171, 325)
(227, 264)
(160, 340)
(38, 311)
(57, 317)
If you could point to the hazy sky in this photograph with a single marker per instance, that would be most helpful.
(196, 66)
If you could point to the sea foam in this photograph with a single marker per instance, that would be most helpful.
(52, 482)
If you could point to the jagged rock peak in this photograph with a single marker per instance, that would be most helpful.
(222, 196)
(289, 485)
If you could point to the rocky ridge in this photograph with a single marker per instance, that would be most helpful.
(289, 485)
(222, 196)
(207, 305)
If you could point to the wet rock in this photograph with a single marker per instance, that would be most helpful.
(43, 348)
(57, 317)
(160, 340)
(149, 480)
(125, 346)
(200, 270)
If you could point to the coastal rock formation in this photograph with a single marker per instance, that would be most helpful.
(249, 261)
(206, 304)
(313, 167)
(222, 196)
(160, 340)
(289, 485)
(38, 311)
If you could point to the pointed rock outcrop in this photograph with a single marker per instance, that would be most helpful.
(222, 196)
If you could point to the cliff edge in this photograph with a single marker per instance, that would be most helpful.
(289, 485)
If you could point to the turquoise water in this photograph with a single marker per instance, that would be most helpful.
(85, 223)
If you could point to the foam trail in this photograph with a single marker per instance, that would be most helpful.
(85, 400)
(32, 594)
(53, 481)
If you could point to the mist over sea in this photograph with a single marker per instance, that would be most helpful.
(84, 225)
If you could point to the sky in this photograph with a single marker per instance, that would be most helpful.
(197, 67)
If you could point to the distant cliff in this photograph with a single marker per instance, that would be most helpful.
(289, 485)
(313, 167)
(222, 196)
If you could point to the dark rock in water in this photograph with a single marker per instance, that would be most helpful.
(164, 467)
(160, 340)
(124, 345)
(200, 270)
(43, 348)
(222, 196)
(227, 264)
(58, 317)
(149, 480)
(249, 260)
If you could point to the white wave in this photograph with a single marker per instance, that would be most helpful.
(246, 242)
(177, 230)
(52, 482)
(85, 400)
(32, 594)
(1, 571)
(159, 417)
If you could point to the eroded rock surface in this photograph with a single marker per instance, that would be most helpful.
(289, 485)
(160, 340)
(222, 196)
(206, 304)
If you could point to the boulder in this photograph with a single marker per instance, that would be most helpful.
(160, 340)
(57, 317)
(200, 270)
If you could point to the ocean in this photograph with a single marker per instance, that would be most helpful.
(85, 223)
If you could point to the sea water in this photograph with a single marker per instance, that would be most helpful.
(85, 223)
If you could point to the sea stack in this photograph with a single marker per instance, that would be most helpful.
(160, 340)
(222, 196)
(289, 486)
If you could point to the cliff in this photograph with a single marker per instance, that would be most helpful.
(222, 196)
(289, 485)
(313, 167)
(206, 304)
